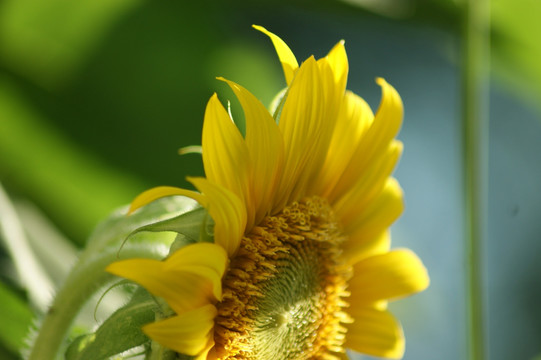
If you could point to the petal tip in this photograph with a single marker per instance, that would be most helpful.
(380, 81)
(286, 56)
(259, 28)
(418, 271)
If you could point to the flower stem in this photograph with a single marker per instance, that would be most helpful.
(476, 49)
(89, 276)
(68, 302)
(158, 352)
(79, 287)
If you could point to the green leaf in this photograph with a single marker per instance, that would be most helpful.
(119, 333)
(81, 198)
(16, 319)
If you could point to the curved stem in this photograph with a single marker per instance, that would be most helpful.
(158, 352)
(89, 275)
(80, 285)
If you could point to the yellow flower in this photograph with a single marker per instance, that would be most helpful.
(301, 266)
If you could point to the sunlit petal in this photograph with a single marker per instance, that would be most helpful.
(265, 145)
(225, 154)
(358, 247)
(187, 333)
(383, 129)
(182, 290)
(392, 275)
(288, 60)
(338, 61)
(156, 193)
(375, 332)
(227, 211)
(306, 134)
(376, 215)
(204, 259)
(354, 204)
(354, 118)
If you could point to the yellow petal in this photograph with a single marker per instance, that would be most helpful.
(391, 275)
(265, 144)
(333, 71)
(376, 139)
(377, 215)
(376, 333)
(206, 260)
(306, 134)
(288, 60)
(188, 333)
(225, 155)
(156, 193)
(357, 247)
(205, 354)
(227, 211)
(209, 255)
(354, 204)
(338, 61)
(329, 88)
(182, 290)
(354, 118)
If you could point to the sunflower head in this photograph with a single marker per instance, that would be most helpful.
(300, 265)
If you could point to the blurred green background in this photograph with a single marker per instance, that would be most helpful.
(97, 96)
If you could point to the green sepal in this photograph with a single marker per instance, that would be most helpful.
(194, 225)
(277, 104)
(114, 230)
(119, 333)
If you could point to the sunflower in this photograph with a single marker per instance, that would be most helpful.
(300, 266)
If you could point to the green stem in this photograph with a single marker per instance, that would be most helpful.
(158, 352)
(89, 275)
(476, 48)
(79, 287)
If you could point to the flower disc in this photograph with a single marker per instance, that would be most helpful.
(285, 289)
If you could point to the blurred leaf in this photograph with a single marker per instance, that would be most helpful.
(30, 271)
(62, 179)
(60, 33)
(56, 253)
(16, 319)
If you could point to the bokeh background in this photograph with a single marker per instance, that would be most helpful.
(97, 96)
